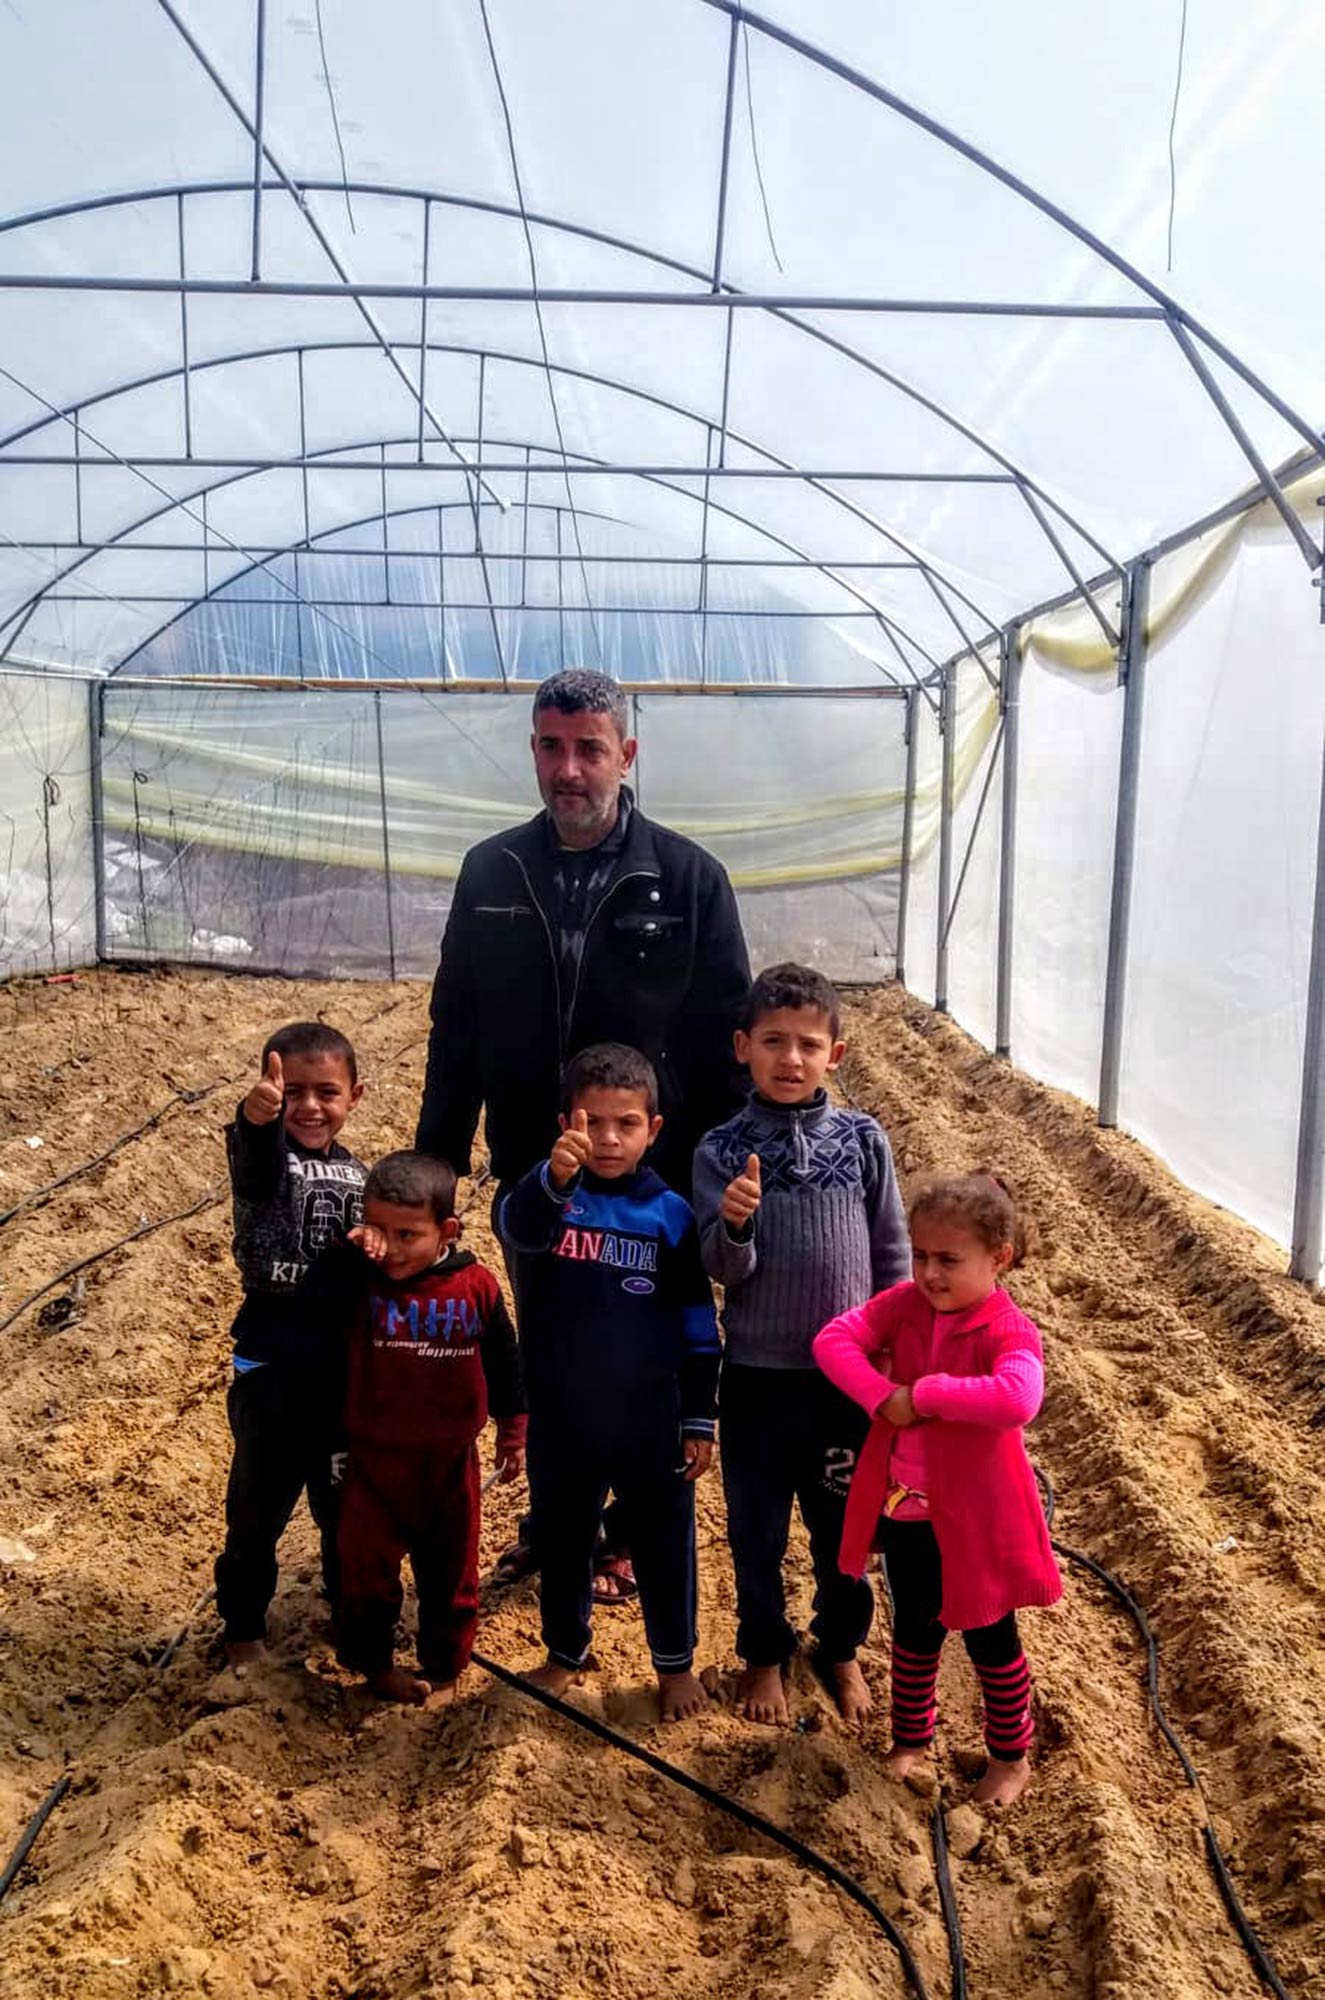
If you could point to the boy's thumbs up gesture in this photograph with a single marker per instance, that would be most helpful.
(572, 1152)
(266, 1101)
(741, 1197)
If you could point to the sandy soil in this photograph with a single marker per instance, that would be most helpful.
(288, 1835)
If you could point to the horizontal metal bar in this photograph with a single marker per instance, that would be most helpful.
(781, 691)
(315, 603)
(570, 295)
(176, 463)
(267, 550)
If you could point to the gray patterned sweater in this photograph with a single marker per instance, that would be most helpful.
(830, 1230)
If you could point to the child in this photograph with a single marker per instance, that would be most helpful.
(431, 1346)
(799, 1217)
(620, 1347)
(295, 1191)
(944, 1478)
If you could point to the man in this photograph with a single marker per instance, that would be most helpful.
(590, 923)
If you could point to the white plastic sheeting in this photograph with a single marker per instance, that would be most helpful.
(263, 477)
(1229, 787)
(263, 829)
(47, 896)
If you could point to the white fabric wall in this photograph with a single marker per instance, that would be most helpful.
(1065, 826)
(47, 917)
(1221, 923)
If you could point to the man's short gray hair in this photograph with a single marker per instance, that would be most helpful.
(579, 691)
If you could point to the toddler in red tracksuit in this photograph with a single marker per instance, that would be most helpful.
(431, 1349)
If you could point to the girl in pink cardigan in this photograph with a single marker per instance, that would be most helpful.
(950, 1369)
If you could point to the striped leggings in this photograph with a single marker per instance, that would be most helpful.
(915, 1583)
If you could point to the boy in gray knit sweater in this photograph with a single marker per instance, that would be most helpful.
(800, 1217)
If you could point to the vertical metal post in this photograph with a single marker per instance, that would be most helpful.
(441, 595)
(1309, 1185)
(78, 492)
(634, 730)
(185, 379)
(386, 540)
(910, 726)
(948, 733)
(260, 67)
(96, 728)
(386, 835)
(50, 796)
(1132, 673)
(423, 324)
(1010, 702)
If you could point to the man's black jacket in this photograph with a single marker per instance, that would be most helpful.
(664, 968)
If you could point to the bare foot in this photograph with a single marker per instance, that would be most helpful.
(850, 1690)
(902, 1759)
(680, 1696)
(763, 1696)
(399, 1684)
(441, 1694)
(241, 1654)
(1003, 1782)
(552, 1677)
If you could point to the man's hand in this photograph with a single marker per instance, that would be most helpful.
(266, 1101)
(572, 1152)
(741, 1197)
(509, 1463)
(697, 1456)
(900, 1409)
(370, 1240)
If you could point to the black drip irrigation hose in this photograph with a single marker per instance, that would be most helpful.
(732, 1807)
(1251, 1943)
(41, 1194)
(952, 1923)
(173, 1644)
(85, 1263)
(27, 1838)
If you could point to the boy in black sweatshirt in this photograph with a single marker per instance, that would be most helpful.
(620, 1347)
(296, 1190)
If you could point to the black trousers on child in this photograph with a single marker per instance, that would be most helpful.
(284, 1422)
(789, 1435)
(636, 1452)
(915, 1583)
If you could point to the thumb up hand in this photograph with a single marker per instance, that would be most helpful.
(572, 1152)
(266, 1101)
(741, 1197)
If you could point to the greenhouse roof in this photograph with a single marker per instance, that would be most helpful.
(452, 339)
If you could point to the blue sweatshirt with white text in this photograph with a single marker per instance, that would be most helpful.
(614, 1301)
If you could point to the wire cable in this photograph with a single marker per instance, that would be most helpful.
(1252, 1944)
(938, 1837)
(206, 1200)
(27, 1838)
(732, 1807)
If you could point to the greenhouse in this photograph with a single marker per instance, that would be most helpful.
(917, 410)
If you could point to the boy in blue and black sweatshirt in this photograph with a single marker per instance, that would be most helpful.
(800, 1217)
(620, 1348)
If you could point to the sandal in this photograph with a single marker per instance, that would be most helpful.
(514, 1564)
(614, 1580)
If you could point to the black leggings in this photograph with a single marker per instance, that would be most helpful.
(915, 1581)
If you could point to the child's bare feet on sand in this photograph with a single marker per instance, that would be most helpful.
(763, 1696)
(680, 1696)
(1003, 1782)
(552, 1677)
(241, 1654)
(440, 1695)
(902, 1759)
(850, 1689)
(399, 1684)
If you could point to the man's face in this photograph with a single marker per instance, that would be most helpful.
(580, 762)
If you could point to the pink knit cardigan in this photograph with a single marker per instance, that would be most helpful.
(976, 1377)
